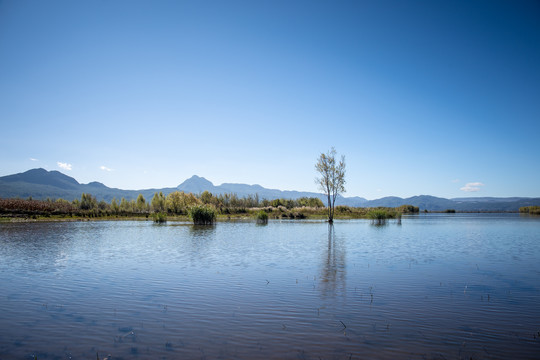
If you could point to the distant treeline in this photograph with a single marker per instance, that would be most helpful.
(177, 203)
(533, 210)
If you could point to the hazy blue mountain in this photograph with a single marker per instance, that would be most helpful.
(389, 201)
(462, 204)
(196, 185)
(42, 184)
(487, 199)
(43, 177)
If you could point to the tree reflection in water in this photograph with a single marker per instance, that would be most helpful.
(332, 278)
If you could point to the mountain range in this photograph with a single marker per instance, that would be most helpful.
(42, 184)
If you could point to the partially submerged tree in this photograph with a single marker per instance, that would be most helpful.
(332, 180)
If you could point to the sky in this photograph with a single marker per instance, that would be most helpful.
(434, 98)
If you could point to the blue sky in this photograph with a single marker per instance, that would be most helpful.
(422, 97)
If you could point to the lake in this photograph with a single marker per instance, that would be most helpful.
(456, 286)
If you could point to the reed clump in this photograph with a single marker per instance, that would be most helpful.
(261, 217)
(380, 215)
(159, 217)
(202, 215)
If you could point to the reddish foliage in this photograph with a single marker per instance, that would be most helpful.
(21, 206)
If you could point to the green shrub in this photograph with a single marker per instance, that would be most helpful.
(450, 211)
(202, 215)
(159, 217)
(262, 217)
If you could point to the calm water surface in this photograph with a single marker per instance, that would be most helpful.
(435, 287)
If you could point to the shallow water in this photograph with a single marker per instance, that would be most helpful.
(455, 286)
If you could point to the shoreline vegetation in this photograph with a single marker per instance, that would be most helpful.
(177, 207)
(180, 206)
(531, 210)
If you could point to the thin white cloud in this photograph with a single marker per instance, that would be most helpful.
(455, 180)
(32, 159)
(472, 187)
(64, 166)
(104, 168)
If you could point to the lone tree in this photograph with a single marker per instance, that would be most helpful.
(332, 180)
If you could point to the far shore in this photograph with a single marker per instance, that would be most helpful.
(14, 218)
(177, 206)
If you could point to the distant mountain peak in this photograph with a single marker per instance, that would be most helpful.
(36, 171)
(97, 184)
(198, 178)
(196, 184)
(43, 177)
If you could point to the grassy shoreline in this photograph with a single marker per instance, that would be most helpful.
(344, 213)
(279, 213)
(185, 218)
(88, 209)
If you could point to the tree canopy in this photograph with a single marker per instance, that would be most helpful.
(332, 178)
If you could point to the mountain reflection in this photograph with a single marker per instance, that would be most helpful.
(332, 277)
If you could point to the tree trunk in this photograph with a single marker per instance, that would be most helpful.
(330, 212)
